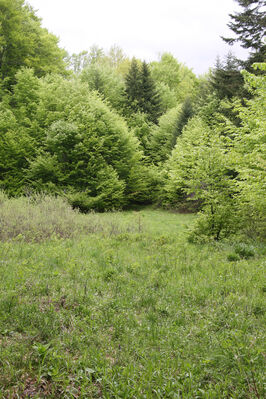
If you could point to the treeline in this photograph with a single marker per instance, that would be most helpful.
(107, 132)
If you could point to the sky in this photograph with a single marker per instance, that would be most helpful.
(188, 29)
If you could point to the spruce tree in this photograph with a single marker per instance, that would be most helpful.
(133, 86)
(150, 100)
(226, 78)
(141, 92)
(250, 29)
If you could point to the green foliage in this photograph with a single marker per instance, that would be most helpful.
(223, 167)
(185, 114)
(141, 127)
(174, 80)
(25, 96)
(86, 147)
(16, 148)
(245, 251)
(162, 136)
(167, 96)
(144, 184)
(24, 43)
(167, 71)
(141, 92)
(227, 80)
(110, 193)
(249, 27)
(104, 80)
(250, 155)
(198, 170)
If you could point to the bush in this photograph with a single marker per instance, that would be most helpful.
(245, 251)
(233, 257)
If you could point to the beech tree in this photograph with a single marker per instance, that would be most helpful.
(197, 172)
(86, 148)
(249, 155)
(24, 43)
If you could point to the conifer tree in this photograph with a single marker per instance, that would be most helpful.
(133, 86)
(226, 78)
(141, 92)
(250, 29)
(150, 99)
(183, 118)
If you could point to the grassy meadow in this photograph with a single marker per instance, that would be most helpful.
(121, 305)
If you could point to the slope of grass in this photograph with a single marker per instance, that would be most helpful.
(132, 312)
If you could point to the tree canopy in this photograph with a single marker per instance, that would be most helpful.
(24, 43)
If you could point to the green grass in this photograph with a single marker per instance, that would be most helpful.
(130, 310)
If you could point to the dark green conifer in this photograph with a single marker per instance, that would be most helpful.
(226, 78)
(141, 92)
(150, 99)
(183, 118)
(133, 86)
(250, 29)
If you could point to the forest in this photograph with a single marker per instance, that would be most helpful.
(107, 132)
(132, 218)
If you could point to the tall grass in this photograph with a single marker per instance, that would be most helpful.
(42, 217)
(129, 309)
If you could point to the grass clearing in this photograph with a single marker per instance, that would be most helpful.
(130, 310)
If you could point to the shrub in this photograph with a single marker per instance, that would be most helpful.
(233, 257)
(245, 251)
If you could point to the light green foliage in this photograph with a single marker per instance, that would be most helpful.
(174, 80)
(25, 96)
(199, 169)
(16, 148)
(188, 83)
(84, 59)
(250, 150)
(167, 70)
(203, 90)
(168, 96)
(25, 43)
(88, 146)
(114, 58)
(223, 167)
(141, 127)
(160, 144)
(107, 82)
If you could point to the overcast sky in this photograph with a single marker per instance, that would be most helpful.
(189, 29)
